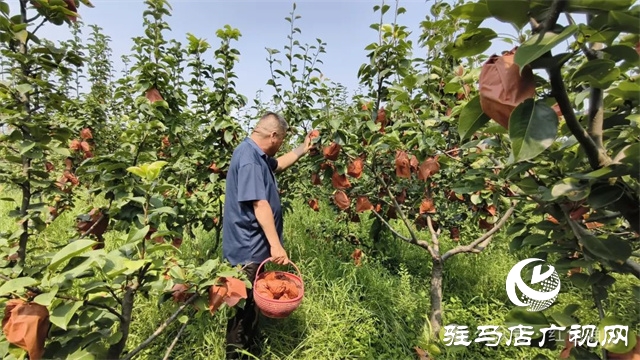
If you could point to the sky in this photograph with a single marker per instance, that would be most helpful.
(342, 25)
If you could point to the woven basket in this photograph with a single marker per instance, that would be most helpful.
(279, 309)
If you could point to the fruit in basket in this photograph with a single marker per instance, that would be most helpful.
(276, 286)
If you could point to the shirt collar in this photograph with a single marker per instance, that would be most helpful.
(255, 147)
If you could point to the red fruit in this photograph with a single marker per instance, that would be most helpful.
(354, 169)
(153, 95)
(313, 203)
(340, 181)
(341, 200)
(74, 145)
(86, 134)
(315, 179)
(427, 206)
(403, 168)
(363, 204)
(332, 151)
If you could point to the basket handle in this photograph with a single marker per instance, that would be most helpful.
(270, 258)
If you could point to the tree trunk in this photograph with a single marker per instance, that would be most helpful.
(127, 307)
(437, 271)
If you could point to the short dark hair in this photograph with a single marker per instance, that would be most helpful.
(282, 123)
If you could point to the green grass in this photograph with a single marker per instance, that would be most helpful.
(377, 310)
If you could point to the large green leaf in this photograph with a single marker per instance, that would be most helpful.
(611, 249)
(75, 248)
(537, 320)
(538, 45)
(533, 126)
(572, 188)
(45, 299)
(604, 195)
(476, 11)
(622, 52)
(587, 6)
(516, 12)
(471, 42)
(624, 21)
(471, 118)
(628, 90)
(61, 315)
(16, 285)
(599, 73)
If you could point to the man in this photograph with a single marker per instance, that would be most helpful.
(252, 223)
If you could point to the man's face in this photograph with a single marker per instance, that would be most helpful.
(277, 138)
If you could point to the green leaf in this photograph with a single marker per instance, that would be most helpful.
(136, 234)
(138, 171)
(516, 13)
(81, 354)
(154, 168)
(4, 7)
(515, 228)
(472, 11)
(624, 21)
(611, 249)
(75, 248)
(24, 88)
(45, 299)
(563, 319)
(471, 42)
(604, 195)
(599, 73)
(628, 90)
(164, 210)
(17, 285)
(518, 316)
(533, 126)
(622, 52)
(64, 151)
(573, 189)
(586, 6)
(535, 240)
(472, 118)
(538, 45)
(61, 315)
(22, 36)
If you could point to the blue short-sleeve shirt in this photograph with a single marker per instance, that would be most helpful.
(250, 178)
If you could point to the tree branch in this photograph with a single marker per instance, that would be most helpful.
(634, 267)
(161, 328)
(597, 158)
(485, 239)
(421, 243)
(175, 341)
(434, 237)
(556, 8)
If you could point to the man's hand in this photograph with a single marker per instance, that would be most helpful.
(307, 146)
(279, 255)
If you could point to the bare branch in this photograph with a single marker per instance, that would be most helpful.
(434, 236)
(556, 8)
(175, 341)
(484, 239)
(421, 243)
(161, 328)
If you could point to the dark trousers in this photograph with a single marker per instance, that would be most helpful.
(242, 328)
